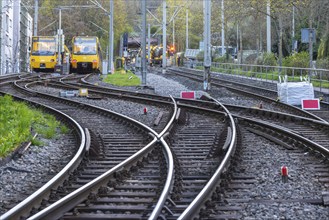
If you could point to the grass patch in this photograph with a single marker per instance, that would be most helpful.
(37, 142)
(121, 78)
(64, 129)
(16, 122)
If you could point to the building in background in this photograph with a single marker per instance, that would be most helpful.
(15, 47)
(26, 32)
(15, 32)
(6, 35)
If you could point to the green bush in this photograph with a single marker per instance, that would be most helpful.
(267, 59)
(223, 59)
(299, 60)
(322, 63)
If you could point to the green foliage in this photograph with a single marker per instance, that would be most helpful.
(121, 78)
(16, 122)
(267, 59)
(323, 50)
(300, 60)
(154, 29)
(64, 129)
(37, 142)
(223, 59)
(323, 63)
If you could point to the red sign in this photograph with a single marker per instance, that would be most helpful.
(187, 95)
(310, 104)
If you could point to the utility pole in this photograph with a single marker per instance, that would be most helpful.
(223, 33)
(293, 29)
(110, 67)
(121, 47)
(164, 36)
(237, 38)
(268, 27)
(59, 34)
(207, 45)
(186, 29)
(36, 9)
(173, 32)
(149, 42)
(143, 43)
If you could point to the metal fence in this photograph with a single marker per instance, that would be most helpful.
(318, 77)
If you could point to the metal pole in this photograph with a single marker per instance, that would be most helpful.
(164, 38)
(223, 33)
(110, 67)
(121, 47)
(173, 32)
(143, 38)
(310, 42)
(149, 42)
(293, 28)
(268, 27)
(207, 45)
(186, 29)
(237, 39)
(59, 57)
(36, 9)
(109, 48)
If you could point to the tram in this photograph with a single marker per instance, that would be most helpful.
(43, 55)
(86, 54)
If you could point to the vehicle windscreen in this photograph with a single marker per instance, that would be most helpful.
(43, 46)
(84, 46)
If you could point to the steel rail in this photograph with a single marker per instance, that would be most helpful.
(27, 204)
(96, 107)
(250, 93)
(266, 111)
(129, 94)
(170, 163)
(315, 146)
(151, 131)
(57, 209)
(195, 205)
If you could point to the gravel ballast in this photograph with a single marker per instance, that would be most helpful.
(17, 183)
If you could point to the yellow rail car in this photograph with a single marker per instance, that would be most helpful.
(43, 53)
(86, 56)
(156, 55)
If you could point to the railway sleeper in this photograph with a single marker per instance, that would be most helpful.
(221, 142)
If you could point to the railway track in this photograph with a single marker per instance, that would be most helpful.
(253, 184)
(253, 187)
(33, 194)
(112, 137)
(153, 115)
(198, 147)
(256, 95)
